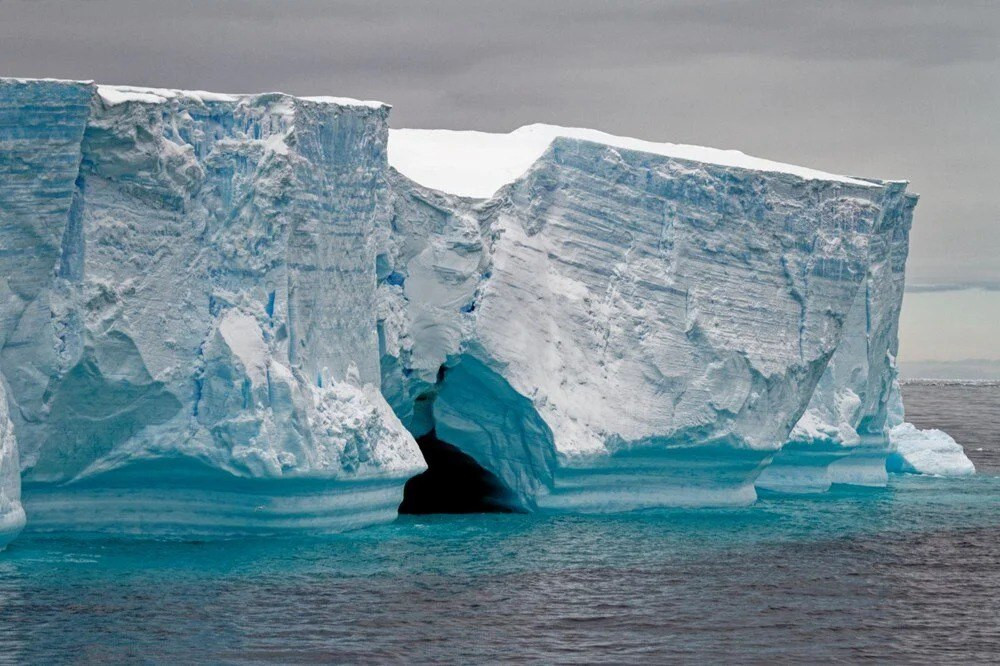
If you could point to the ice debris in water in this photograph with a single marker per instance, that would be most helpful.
(927, 452)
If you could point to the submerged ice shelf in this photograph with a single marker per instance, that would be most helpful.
(263, 312)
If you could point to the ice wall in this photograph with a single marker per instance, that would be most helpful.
(843, 435)
(666, 320)
(853, 431)
(41, 129)
(188, 276)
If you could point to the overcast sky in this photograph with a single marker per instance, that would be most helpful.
(902, 90)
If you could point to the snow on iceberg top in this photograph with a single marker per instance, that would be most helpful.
(476, 164)
(113, 95)
(21, 79)
(347, 101)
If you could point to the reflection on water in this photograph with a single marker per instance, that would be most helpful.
(904, 573)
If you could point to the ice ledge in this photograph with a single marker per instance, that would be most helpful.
(476, 164)
(115, 95)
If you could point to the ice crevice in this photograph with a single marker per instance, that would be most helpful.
(454, 481)
(486, 447)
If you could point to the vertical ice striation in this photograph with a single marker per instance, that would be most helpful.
(41, 129)
(853, 430)
(843, 435)
(191, 288)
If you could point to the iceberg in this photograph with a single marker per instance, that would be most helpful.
(187, 289)
(648, 321)
(266, 312)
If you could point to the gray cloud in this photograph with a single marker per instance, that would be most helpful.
(888, 89)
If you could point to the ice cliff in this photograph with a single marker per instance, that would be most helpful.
(673, 319)
(187, 289)
(266, 312)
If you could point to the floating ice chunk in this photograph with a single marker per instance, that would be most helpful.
(927, 452)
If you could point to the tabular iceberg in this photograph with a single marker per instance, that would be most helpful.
(266, 312)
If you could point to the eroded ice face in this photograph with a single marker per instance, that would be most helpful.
(11, 512)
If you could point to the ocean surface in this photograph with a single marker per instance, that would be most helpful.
(907, 574)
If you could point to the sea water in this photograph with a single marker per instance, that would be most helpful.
(906, 573)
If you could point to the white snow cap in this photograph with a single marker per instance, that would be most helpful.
(476, 164)
(114, 95)
(346, 101)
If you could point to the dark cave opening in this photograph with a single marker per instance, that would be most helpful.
(453, 483)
